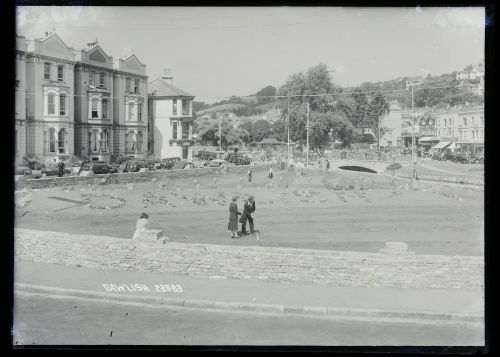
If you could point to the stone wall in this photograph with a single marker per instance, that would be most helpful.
(271, 264)
(130, 177)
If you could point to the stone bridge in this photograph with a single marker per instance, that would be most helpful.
(374, 165)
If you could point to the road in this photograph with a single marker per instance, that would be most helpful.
(48, 320)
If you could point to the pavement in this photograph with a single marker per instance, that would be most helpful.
(215, 294)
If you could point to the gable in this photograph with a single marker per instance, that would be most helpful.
(97, 56)
(54, 44)
(133, 63)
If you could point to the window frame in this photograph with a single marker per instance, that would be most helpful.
(128, 84)
(104, 108)
(60, 73)
(49, 96)
(185, 108)
(102, 80)
(96, 101)
(174, 130)
(174, 107)
(136, 85)
(47, 75)
(62, 104)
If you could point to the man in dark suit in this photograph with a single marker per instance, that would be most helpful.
(248, 211)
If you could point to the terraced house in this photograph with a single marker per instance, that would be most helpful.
(130, 105)
(94, 103)
(20, 99)
(49, 98)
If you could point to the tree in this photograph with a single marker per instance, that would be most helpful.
(377, 109)
(260, 129)
(301, 88)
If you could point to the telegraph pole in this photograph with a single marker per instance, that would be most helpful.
(288, 128)
(307, 139)
(220, 132)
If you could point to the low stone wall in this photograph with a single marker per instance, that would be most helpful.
(131, 177)
(272, 264)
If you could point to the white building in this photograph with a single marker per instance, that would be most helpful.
(170, 117)
(392, 122)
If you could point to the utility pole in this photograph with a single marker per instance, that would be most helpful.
(220, 132)
(411, 84)
(288, 129)
(307, 139)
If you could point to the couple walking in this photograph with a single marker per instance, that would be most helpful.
(247, 215)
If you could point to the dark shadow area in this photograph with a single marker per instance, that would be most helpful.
(357, 168)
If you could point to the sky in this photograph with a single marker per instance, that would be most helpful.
(217, 52)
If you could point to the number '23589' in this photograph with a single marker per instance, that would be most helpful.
(168, 288)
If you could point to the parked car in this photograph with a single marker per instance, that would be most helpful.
(477, 159)
(168, 163)
(182, 164)
(216, 163)
(448, 156)
(461, 158)
(197, 163)
(96, 167)
(136, 165)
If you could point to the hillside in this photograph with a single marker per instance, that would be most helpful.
(436, 91)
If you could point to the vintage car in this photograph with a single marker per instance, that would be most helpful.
(216, 163)
(96, 167)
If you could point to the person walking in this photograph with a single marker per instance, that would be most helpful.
(270, 175)
(60, 167)
(233, 218)
(248, 215)
(141, 226)
(250, 176)
(327, 166)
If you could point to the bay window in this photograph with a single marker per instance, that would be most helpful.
(91, 78)
(127, 84)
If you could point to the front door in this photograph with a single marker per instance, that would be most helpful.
(185, 151)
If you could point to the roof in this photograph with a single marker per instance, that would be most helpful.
(160, 88)
(441, 145)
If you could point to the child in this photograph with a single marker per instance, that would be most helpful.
(141, 225)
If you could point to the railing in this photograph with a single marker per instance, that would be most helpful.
(451, 179)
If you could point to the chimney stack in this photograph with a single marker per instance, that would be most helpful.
(167, 75)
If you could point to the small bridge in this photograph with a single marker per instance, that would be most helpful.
(362, 165)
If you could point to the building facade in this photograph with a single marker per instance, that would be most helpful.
(49, 99)
(93, 103)
(130, 117)
(20, 100)
(470, 129)
(170, 119)
(393, 123)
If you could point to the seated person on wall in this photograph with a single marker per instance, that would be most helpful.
(141, 226)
